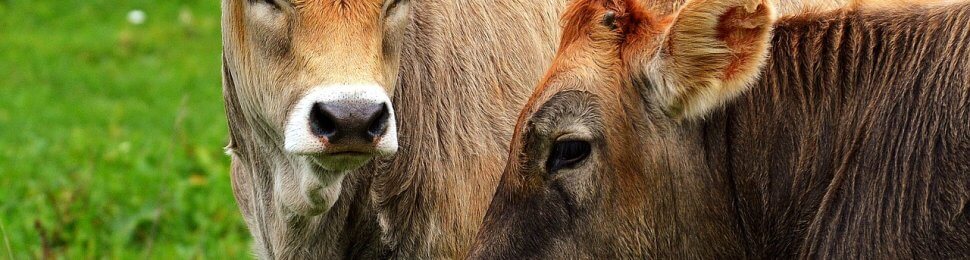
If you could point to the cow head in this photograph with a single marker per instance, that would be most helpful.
(307, 88)
(598, 146)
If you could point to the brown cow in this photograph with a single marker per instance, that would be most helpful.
(853, 143)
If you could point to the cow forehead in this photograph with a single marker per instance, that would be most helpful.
(360, 11)
(327, 24)
(338, 7)
(584, 65)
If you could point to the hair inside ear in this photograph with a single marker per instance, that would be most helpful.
(717, 51)
(739, 28)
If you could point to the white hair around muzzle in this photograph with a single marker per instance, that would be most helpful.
(299, 137)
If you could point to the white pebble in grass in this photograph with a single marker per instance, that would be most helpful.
(185, 16)
(136, 17)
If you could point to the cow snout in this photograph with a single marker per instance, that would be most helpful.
(341, 126)
(349, 123)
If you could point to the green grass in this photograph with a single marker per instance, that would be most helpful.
(111, 134)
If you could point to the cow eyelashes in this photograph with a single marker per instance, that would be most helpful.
(566, 154)
(393, 4)
(271, 3)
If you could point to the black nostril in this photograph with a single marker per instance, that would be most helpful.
(322, 122)
(349, 123)
(378, 123)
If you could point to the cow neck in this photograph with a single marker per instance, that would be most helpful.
(347, 229)
(829, 94)
(780, 127)
(459, 91)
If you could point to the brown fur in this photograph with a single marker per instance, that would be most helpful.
(854, 143)
(867, 119)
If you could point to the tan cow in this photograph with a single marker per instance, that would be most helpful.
(686, 136)
(321, 94)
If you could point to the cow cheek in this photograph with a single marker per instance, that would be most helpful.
(581, 185)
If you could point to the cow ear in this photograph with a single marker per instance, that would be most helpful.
(713, 51)
(237, 123)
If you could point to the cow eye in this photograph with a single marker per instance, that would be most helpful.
(566, 154)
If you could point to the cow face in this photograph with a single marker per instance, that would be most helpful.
(598, 143)
(309, 82)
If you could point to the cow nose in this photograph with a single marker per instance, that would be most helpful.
(349, 123)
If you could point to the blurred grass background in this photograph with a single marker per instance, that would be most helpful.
(111, 132)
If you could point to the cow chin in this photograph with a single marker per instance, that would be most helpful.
(312, 190)
(342, 163)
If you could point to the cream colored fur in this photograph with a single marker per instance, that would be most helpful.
(694, 61)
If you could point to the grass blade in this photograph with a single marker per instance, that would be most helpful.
(6, 241)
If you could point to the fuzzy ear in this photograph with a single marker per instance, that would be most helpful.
(713, 51)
